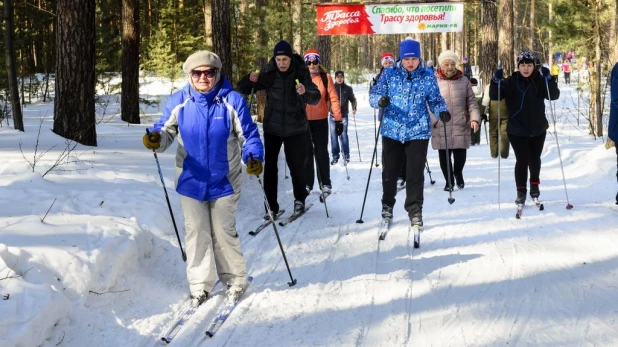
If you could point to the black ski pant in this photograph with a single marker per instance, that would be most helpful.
(317, 140)
(295, 155)
(415, 154)
(459, 156)
(527, 157)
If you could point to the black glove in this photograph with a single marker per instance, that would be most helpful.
(484, 118)
(498, 75)
(338, 127)
(384, 102)
(445, 116)
(545, 72)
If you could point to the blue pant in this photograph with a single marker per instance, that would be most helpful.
(334, 142)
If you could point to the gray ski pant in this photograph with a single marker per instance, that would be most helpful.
(212, 244)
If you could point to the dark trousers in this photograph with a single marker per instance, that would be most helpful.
(527, 157)
(295, 155)
(318, 142)
(459, 156)
(415, 154)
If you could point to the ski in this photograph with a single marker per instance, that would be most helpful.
(265, 224)
(385, 224)
(520, 210)
(224, 311)
(538, 204)
(417, 235)
(179, 323)
(294, 216)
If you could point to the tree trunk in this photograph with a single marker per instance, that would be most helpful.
(130, 62)
(221, 35)
(208, 23)
(9, 59)
(613, 37)
(506, 37)
(532, 28)
(597, 67)
(323, 47)
(297, 11)
(261, 35)
(489, 43)
(74, 113)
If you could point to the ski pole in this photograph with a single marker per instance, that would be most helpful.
(373, 157)
(357, 143)
(252, 94)
(377, 132)
(429, 172)
(169, 205)
(272, 219)
(553, 116)
(486, 136)
(448, 167)
(499, 144)
(345, 164)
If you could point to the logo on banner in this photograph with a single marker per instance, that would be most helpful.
(333, 19)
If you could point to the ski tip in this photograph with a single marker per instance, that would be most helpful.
(252, 233)
(541, 207)
(416, 244)
(209, 334)
(164, 340)
(451, 200)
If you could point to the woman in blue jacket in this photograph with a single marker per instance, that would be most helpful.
(211, 121)
(407, 92)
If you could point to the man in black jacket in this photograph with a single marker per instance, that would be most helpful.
(288, 87)
(346, 94)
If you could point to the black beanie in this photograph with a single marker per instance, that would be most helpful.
(339, 72)
(283, 48)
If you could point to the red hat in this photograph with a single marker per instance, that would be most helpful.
(312, 54)
(386, 57)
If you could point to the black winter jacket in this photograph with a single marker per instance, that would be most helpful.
(284, 115)
(525, 101)
(346, 94)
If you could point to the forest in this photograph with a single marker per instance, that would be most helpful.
(77, 45)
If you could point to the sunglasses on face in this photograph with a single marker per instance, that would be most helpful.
(313, 62)
(207, 73)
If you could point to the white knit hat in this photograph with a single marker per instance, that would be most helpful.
(201, 58)
(448, 55)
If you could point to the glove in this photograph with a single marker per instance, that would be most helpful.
(384, 102)
(445, 116)
(254, 167)
(338, 128)
(498, 75)
(545, 72)
(484, 118)
(152, 140)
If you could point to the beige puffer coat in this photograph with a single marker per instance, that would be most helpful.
(461, 103)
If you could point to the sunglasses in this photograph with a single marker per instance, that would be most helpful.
(207, 73)
(313, 62)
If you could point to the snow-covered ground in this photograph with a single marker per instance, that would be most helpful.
(103, 266)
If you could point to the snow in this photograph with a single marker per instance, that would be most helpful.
(103, 266)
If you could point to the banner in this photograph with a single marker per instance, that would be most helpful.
(341, 19)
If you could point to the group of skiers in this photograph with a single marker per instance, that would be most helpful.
(305, 107)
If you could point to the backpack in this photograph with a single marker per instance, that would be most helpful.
(325, 83)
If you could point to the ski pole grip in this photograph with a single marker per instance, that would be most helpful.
(297, 83)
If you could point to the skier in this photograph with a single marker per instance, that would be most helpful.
(467, 69)
(612, 127)
(317, 142)
(525, 92)
(346, 95)
(461, 102)
(478, 94)
(491, 108)
(285, 120)
(566, 68)
(211, 121)
(406, 126)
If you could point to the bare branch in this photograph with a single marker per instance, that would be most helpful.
(111, 291)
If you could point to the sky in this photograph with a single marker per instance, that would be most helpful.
(89, 256)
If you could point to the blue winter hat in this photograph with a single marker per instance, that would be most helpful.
(409, 48)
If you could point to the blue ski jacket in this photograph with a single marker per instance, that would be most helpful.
(612, 127)
(413, 95)
(210, 128)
